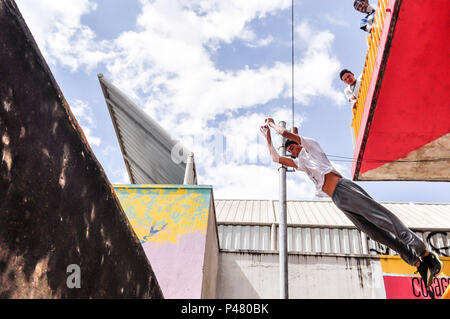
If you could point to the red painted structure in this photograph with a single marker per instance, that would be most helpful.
(405, 129)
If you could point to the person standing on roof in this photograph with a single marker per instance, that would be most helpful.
(368, 216)
(363, 6)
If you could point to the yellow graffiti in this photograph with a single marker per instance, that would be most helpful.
(395, 265)
(164, 214)
(446, 295)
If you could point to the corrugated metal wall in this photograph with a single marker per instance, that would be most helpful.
(244, 237)
(324, 240)
(347, 241)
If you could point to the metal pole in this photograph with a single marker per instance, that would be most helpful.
(189, 171)
(282, 239)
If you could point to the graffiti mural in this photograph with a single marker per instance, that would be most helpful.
(434, 237)
(171, 222)
(161, 214)
(380, 249)
(401, 282)
(437, 241)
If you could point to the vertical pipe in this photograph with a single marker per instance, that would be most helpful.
(189, 171)
(365, 244)
(273, 237)
(282, 230)
(292, 59)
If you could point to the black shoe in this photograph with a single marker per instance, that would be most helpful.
(429, 267)
(425, 273)
(433, 262)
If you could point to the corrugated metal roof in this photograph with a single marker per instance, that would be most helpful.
(325, 213)
(245, 211)
(145, 145)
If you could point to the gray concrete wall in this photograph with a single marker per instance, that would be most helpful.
(211, 261)
(57, 206)
(255, 275)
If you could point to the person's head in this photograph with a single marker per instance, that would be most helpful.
(362, 6)
(347, 76)
(292, 147)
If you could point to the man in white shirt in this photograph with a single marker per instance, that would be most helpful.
(363, 6)
(352, 90)
(368, 216)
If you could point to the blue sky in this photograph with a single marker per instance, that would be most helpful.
(211, 71)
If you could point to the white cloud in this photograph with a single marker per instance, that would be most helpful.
(318, 66)
(109, 150)
(85, 117)
(237, 161)
(93, 140)
(244, 142)
(119, 176)
(336, 21)
(261, 42)
(342, 168)
(254, 182)
(82, 111)
(60, 35)
(174, 75)
(166, 64)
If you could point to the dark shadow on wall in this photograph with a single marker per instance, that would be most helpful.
(57, 207)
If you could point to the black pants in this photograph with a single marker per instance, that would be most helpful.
(376, 221)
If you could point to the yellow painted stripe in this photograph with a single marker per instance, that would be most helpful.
(395, 265)
(446, 294)
(373, 42)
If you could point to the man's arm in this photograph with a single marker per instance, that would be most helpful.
(284, 132)
(287, 161)
(349, 94)
(283, 160)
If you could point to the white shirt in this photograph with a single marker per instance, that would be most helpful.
(313, 161)
(351, 91)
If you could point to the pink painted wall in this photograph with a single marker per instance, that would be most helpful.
(178, 266)
(177, 229)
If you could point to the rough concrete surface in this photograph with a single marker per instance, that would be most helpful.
(57, 207)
